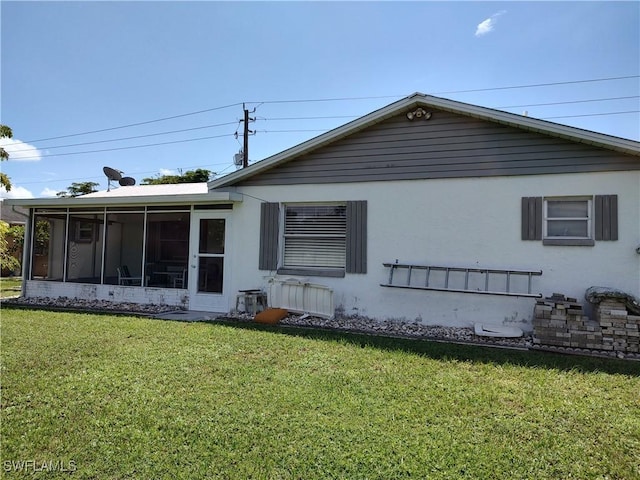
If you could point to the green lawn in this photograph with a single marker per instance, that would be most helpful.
(124, 397)
(10, 286)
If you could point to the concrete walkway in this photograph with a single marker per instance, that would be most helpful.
(188, 316)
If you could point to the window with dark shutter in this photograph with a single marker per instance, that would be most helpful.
(317, 239)
(570, 220)
(357, 237)
(531, 218)
(269, 230)
(606, 213)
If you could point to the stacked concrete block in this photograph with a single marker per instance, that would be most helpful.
(560, 321)
(620, 331)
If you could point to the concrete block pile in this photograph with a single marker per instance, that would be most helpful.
(560, 321)
(620, 330)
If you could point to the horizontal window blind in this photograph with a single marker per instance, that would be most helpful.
(315, 236)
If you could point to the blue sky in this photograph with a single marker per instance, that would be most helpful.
(75, 67)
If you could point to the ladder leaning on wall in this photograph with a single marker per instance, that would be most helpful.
(510, 282)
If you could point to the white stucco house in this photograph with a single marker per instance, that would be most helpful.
(427, 209)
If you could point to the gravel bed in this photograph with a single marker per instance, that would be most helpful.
(66, 303)
(399, 328)
(394, 328)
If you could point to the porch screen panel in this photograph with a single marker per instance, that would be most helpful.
(315, 236)
(84, 249)
(167, 249)
(48, 245)
(123, 248)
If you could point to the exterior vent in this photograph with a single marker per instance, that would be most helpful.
(302, 297)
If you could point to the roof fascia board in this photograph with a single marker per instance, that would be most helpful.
(211, 197)
(418, 99)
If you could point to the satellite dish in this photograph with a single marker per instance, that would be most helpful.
(127, 181)
(112, 173)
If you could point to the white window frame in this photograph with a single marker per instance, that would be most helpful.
(309, 269)
(568, 240)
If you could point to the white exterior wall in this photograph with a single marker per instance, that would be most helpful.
(111, 293)
(464, 222)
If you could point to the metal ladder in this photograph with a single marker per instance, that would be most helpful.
(420, 277)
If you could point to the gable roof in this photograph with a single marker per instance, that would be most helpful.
(427, 101)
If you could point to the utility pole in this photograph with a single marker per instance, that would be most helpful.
(245, 148)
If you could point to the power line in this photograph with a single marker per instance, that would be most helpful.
(147, 172)
(133, 146)
(307, 118)
(504, 106)
(569, 102)
(571, 82)
(319, 118)
(592, 114)
(136, 124)
(281, 131)
(129, 138)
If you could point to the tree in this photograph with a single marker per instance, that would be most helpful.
(5, 132)
(78, 188)
(190, 176)
(8, 261)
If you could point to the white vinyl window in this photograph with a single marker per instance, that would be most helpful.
(315, 236)
(567, 218)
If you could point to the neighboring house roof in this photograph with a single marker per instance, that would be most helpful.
(416, 100)
(12, 214)
(137, 195)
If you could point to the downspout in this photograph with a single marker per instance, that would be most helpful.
(13, 209)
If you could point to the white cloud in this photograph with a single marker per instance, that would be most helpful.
(48, 192)
(20, 151)
(15, 192)
(167, 171)
(488, 24)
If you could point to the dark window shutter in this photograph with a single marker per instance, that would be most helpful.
(606, 217)
(269, 230)
(531, 218)
(357, 237)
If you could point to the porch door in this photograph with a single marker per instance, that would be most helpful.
(208, 272)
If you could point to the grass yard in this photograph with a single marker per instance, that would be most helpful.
(123, 397)
(10, 286)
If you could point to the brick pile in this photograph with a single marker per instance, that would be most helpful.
(560, 321)
(620, 331)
